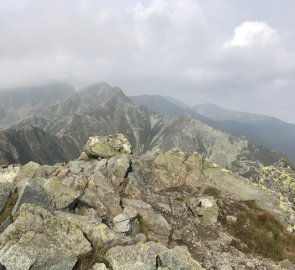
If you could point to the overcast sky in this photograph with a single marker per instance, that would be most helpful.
(237, 54)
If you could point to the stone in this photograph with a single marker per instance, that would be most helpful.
(74, 167)
(28, 171)
(99, 234)
(5, 191)
(154, 225)
(106, 147)
(117, 169)
(204, 207)
(32, 192)
(231, 219)
(123, 221)
(101, 195)
(143, 256)
(175, 169)
(47, 193)
(99, 266)
(59, 194)
(39, 240)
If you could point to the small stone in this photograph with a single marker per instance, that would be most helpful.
(231, 219)
(99, 266)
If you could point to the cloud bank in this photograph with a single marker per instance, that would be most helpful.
(198, 51)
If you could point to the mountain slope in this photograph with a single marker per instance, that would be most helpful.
(33, 144)
(267, 131)
(15, 104)
(260, 129)
(101, 109)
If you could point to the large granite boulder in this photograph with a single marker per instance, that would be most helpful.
(106, 147)
(39, 240)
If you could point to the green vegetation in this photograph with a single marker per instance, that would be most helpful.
(212, 191)
(258, 231)
(3, 162)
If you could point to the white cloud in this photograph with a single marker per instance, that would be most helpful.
(253, 34)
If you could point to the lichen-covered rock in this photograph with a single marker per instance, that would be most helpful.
(99, 234)
(154, 225)
(39, 240)
(28, 171)
(101, 195)
(5, 190)
(204, 207)
(47, 193)
(123, 221)
(143, 256)
(173, 169)
(7, 176)
(32, 192)
(106, 147)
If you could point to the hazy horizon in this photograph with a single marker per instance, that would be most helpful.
(238, 55)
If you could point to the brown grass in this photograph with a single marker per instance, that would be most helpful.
(258, 231)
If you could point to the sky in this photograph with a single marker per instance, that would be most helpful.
(237, 54)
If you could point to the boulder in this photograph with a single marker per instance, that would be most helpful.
(101, 195)
(7, 176)
(123, 221)
(154, 225)
(5, 191)
(143, 256)
(172, 169)
(47, 193)
(106, 147)
(28, 171)
(99, 266)
(99, 234)
(204, 207)
(39, 240)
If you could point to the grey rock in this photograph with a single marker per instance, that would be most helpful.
(143, 256)
(99, 266)
(32, 192)
(204, 207)
(123, 221)
(106, 147)
(5, 190)
(100, 236)
(39, 240)
(101, 195)
(47, 193)
(154, 225)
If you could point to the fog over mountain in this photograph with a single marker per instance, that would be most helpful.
(260, 129)
(238, 54)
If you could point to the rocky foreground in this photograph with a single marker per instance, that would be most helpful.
(163, 210)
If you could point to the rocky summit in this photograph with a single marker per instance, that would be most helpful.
(173, 210)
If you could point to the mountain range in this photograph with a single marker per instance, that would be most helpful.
(51, 128)
(267, 131)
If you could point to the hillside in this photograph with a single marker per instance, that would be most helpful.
(259, 129)
(102, 109)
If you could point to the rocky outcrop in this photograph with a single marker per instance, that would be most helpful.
(163, 210)
(106, 147)
(39, 240)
